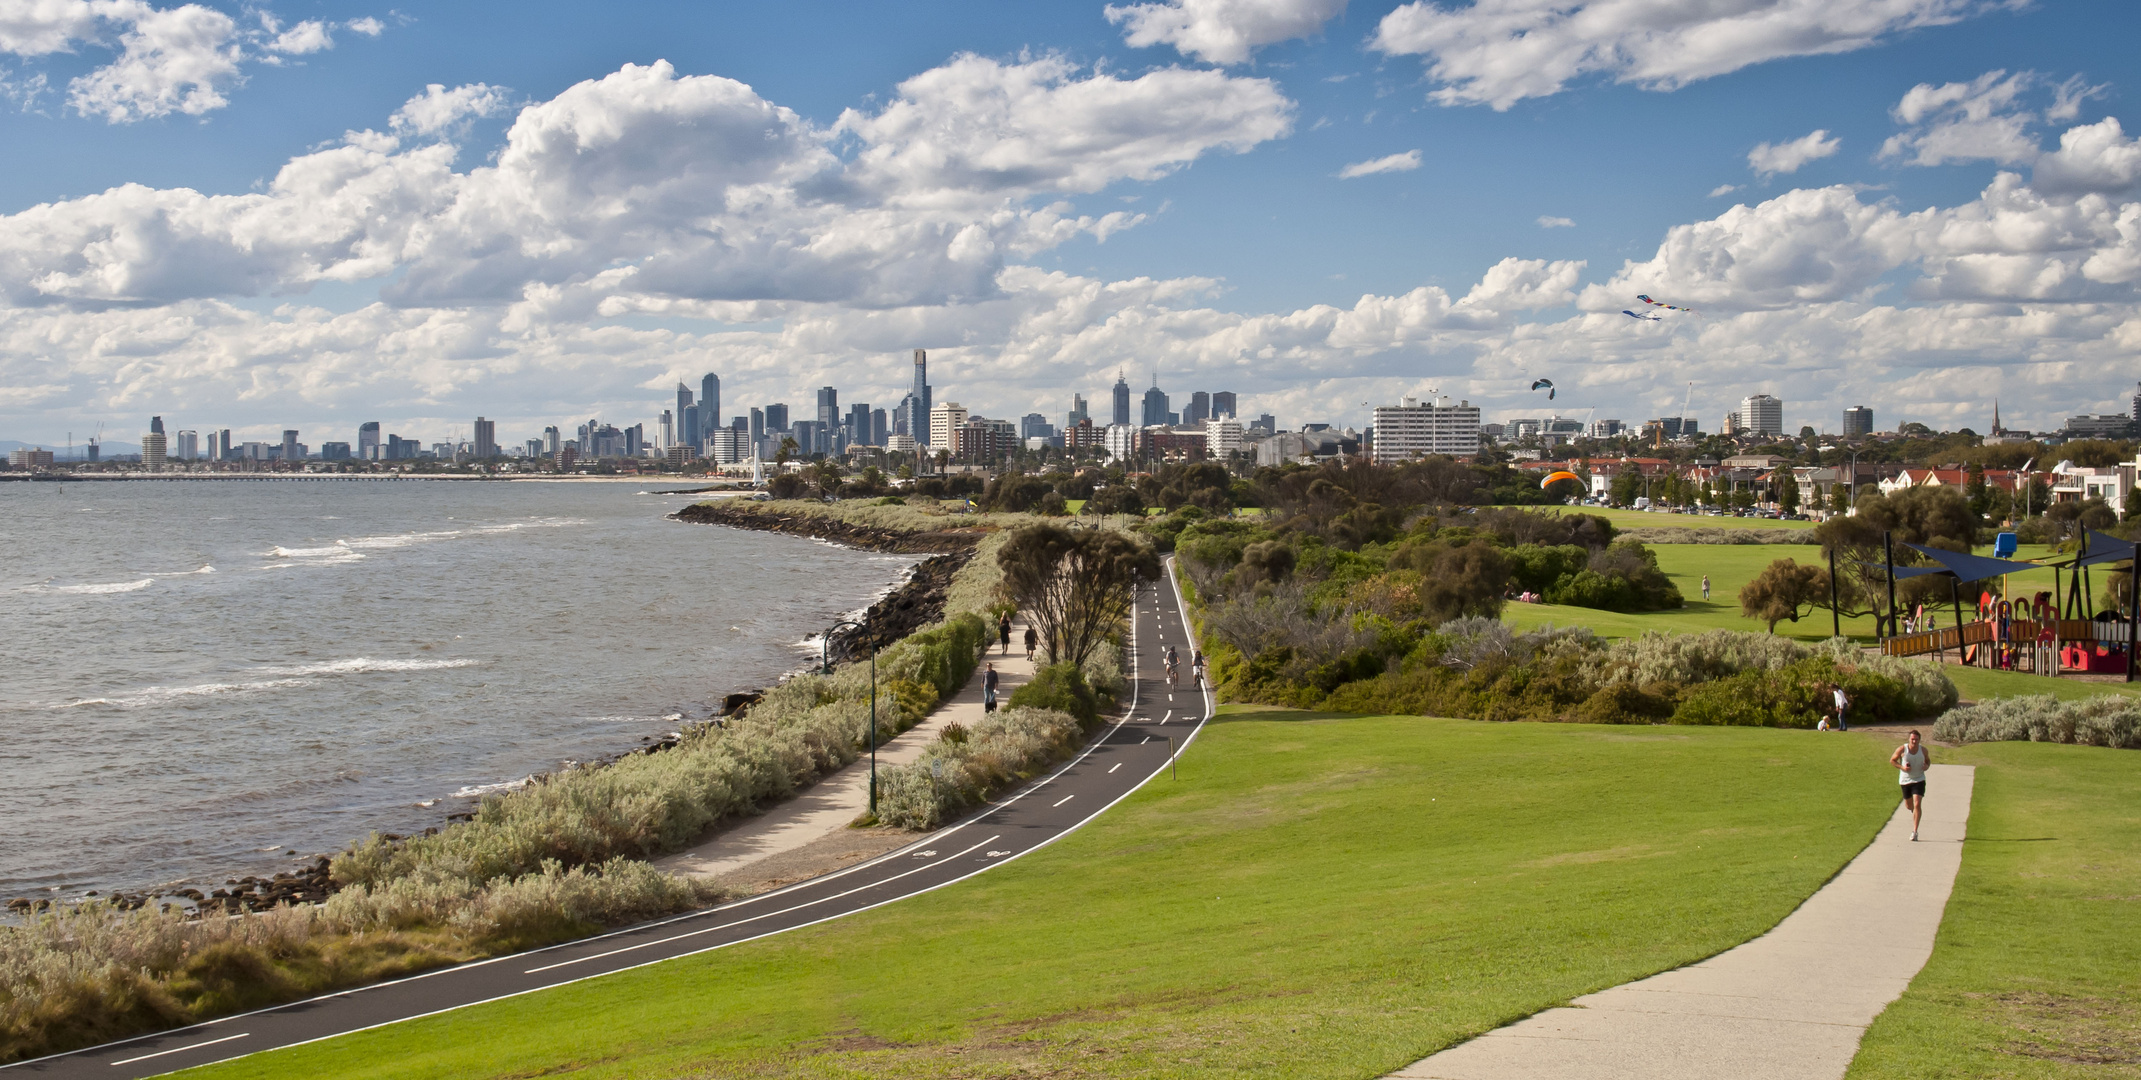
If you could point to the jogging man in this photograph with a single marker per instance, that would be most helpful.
(1910, 761)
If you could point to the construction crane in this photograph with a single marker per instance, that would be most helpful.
(95, 440)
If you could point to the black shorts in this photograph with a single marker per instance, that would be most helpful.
(1917, 789)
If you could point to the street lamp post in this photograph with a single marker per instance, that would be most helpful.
(825, 666)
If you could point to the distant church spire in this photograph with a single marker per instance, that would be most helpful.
(1996, 417)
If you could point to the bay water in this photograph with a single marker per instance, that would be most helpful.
(200, 676)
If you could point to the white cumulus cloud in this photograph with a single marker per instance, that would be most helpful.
(1770, 159)
(1979, 120)
(439, 110)
(1221, 31)
(1499, 52)
(1723, 189)
(1405, 162)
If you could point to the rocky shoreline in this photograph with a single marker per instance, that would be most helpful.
(913, 604)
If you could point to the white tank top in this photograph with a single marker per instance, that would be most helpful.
(1913, 767)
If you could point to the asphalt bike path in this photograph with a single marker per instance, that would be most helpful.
(1161, 721)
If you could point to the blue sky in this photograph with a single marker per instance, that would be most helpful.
(1853, 276)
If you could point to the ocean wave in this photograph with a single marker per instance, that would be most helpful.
(335, 550)
(163, 695)
(401, 540)
(186, 573)
(365, 665)
(477, 791)
(94, 590)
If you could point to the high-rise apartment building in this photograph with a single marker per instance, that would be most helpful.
(368, 440)
(1223, 404)
(152, 445)
(1761, 414)
(665, 430)
(942, 421)
(1858, 422)
(1222, 437)
(1416, 429)
(1121, 414)
(187, 446)
(291, 451)
(486, 439)
(552, 442)
(726, 446)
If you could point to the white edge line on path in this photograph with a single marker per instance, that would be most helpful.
(182, 1049)
(985, 867)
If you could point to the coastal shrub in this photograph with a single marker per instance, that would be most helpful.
(1061, 687)
(2112, 720)
(1005, 748)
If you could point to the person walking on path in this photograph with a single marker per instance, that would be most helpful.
(988, 690)
(1033, 642)
(1003, 631)
(1706, 587)
(1910, 761)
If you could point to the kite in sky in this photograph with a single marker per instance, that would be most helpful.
(1546, 385)
(1662, 304)
(1645, 318)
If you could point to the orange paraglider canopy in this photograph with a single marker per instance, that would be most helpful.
(1562, 474)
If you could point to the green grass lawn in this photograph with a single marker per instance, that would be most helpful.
(1317, 896)
(1642, 519)
(2037, 969)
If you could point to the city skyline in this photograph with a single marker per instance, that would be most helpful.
(1332, 208)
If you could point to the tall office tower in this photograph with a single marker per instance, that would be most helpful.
(687, 421)
(1155, 404)
(776, 417)
(922, 390)
(1858, 422)
(1078, 412)
(486, 439)
(534, 448)
(858, 424)
(665, 430)
(1761, 414)
(1223, 405)
(758, 430)
(709, 404)
(635, 440)
(368, 441)
(805, 434)
(552, 441)
(828, 407)
(290, 450)
(221, 442)
(1122, 400)
(1199, 410)
(188, 446)
(880, 427)
(152, 444)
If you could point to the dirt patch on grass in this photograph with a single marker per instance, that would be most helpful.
(2068, 1029)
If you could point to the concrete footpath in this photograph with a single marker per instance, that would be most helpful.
(1789, 1005)
(828, 806)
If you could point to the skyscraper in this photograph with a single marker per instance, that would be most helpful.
(1199, 410)
(152, 445)
(219, 445)
(486, 439)
(665, 430)
(922, 390)
(776, 418)
(1223, 404)
(880, 427)
(758, 431)
(1858, 422)
(1761, 414)
(1078, 412)
(367, 441)
(1122, 399)
(1155, 404)
(687, 421)
(709, 404)
(552, 442)
(828, 408)
(858, 424)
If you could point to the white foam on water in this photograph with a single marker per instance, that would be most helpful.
(96, 589)
(400, 540)
(477, 791)
(186, 573)
(163, 695)
(334, 550)
(365, 665)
